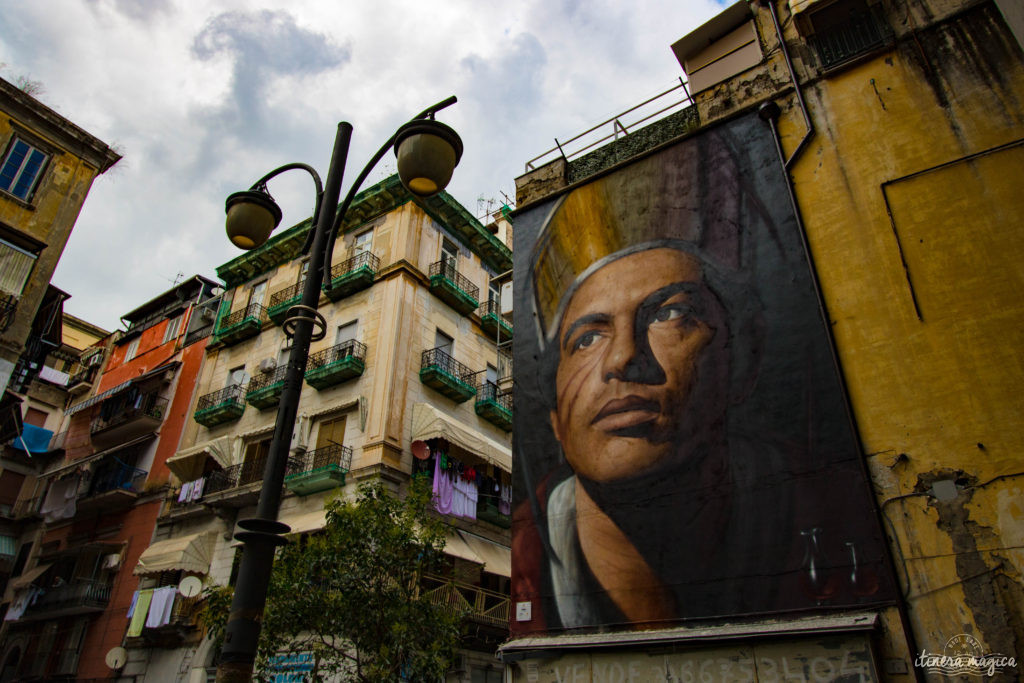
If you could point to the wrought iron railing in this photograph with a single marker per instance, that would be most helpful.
(244, 474)
(464, 600)
(76, 593)
(489, 391)
(197, 334)
(116, 475)
(859, 33)
(283, 295)
(251, 311)
(364, 259)
(265, 379)
(446, 269)
(234, 393)
(346, 349)
(8, 305)
(83, 376)
(145, 405)
(328, 455)
(491, 307)
(440, 359)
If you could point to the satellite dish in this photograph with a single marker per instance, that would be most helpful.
(420, 449)
(117, 657)
(190, 586)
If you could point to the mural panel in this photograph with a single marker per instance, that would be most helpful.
(683, 449)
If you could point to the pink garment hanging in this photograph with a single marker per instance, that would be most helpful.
(443, 489)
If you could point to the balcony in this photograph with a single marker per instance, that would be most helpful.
(265, 389)
(493, 323)
(79, 596)
(126, 416)
(8, 305)
(494, 405)
(221, 406)
(351, 276)
(282, 300)
(81, 381)
(322, 469)
(335, 365)
(115, 486)
(240, 325)
(239, 485)
(180, 629)
(471, 602)
(450, 286)
(444, 374)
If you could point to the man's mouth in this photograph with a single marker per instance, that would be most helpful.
(624, 413)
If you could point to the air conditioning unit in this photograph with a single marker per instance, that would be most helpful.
(267, 364)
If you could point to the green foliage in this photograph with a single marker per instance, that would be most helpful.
(350, 595)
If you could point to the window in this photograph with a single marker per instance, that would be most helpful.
(449, 252)
(331, 433)
(493, 291)
(23, 166)
(444, 342)
(255, 462)
(237, 376)
(15, 266)
(364, 241)
(173, 327)
(303, 271)
(257, 293)
(133, 349)
(844, 30)
(347, 332)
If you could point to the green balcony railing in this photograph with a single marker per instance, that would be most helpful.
(452, 287)
(494, 405)
(264, 390)
(282, 300)
(322, 469)
(351, 275)
(240, 325)
(221, 406)
(443, 373)
(335, 365)
(493, 323)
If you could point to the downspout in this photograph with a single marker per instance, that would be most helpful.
(769, 112)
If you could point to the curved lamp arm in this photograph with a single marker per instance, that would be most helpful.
(428, 112)
(261, 184)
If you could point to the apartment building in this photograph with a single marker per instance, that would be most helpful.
(409, 369)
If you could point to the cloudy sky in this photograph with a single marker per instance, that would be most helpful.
(202, 98)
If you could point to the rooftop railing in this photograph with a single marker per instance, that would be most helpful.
(658, 106)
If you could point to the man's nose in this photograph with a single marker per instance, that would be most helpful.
(630, 359)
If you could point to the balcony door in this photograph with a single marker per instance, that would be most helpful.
(331, 433)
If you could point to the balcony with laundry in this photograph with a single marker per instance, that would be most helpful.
(452, 287)
(126, 416)
(335, 365)
(74, 581)
(351, 276)
(112, 483)
(240, 325)
(444, 374)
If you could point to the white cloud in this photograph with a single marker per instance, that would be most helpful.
(203, 98)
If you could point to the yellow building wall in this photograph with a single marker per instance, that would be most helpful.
(910, 194)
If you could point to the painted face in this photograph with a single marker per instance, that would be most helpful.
(636, 342)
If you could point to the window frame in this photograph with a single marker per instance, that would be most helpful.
(31, 263)
(16, 177)
(173, 330)
(132, 350)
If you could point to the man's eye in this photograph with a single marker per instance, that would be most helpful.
(666, 313)
(584, 340)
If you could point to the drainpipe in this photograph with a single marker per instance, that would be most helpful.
(787, 163)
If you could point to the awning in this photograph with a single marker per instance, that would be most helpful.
(190, 553)
(33, 439)
(496, 559)
(28, 576)
(299, 523)
(188, 464)
(430, 423)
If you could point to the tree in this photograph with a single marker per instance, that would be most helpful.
(350, 595)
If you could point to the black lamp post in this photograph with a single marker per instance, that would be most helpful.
(427, 153)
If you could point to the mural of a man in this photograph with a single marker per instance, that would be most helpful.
(681, 476)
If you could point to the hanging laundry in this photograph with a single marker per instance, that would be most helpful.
(140, 614)
(160, 607)
(131, 607)
(443, 489)
(197, 489)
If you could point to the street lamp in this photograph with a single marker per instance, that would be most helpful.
(427, 153)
